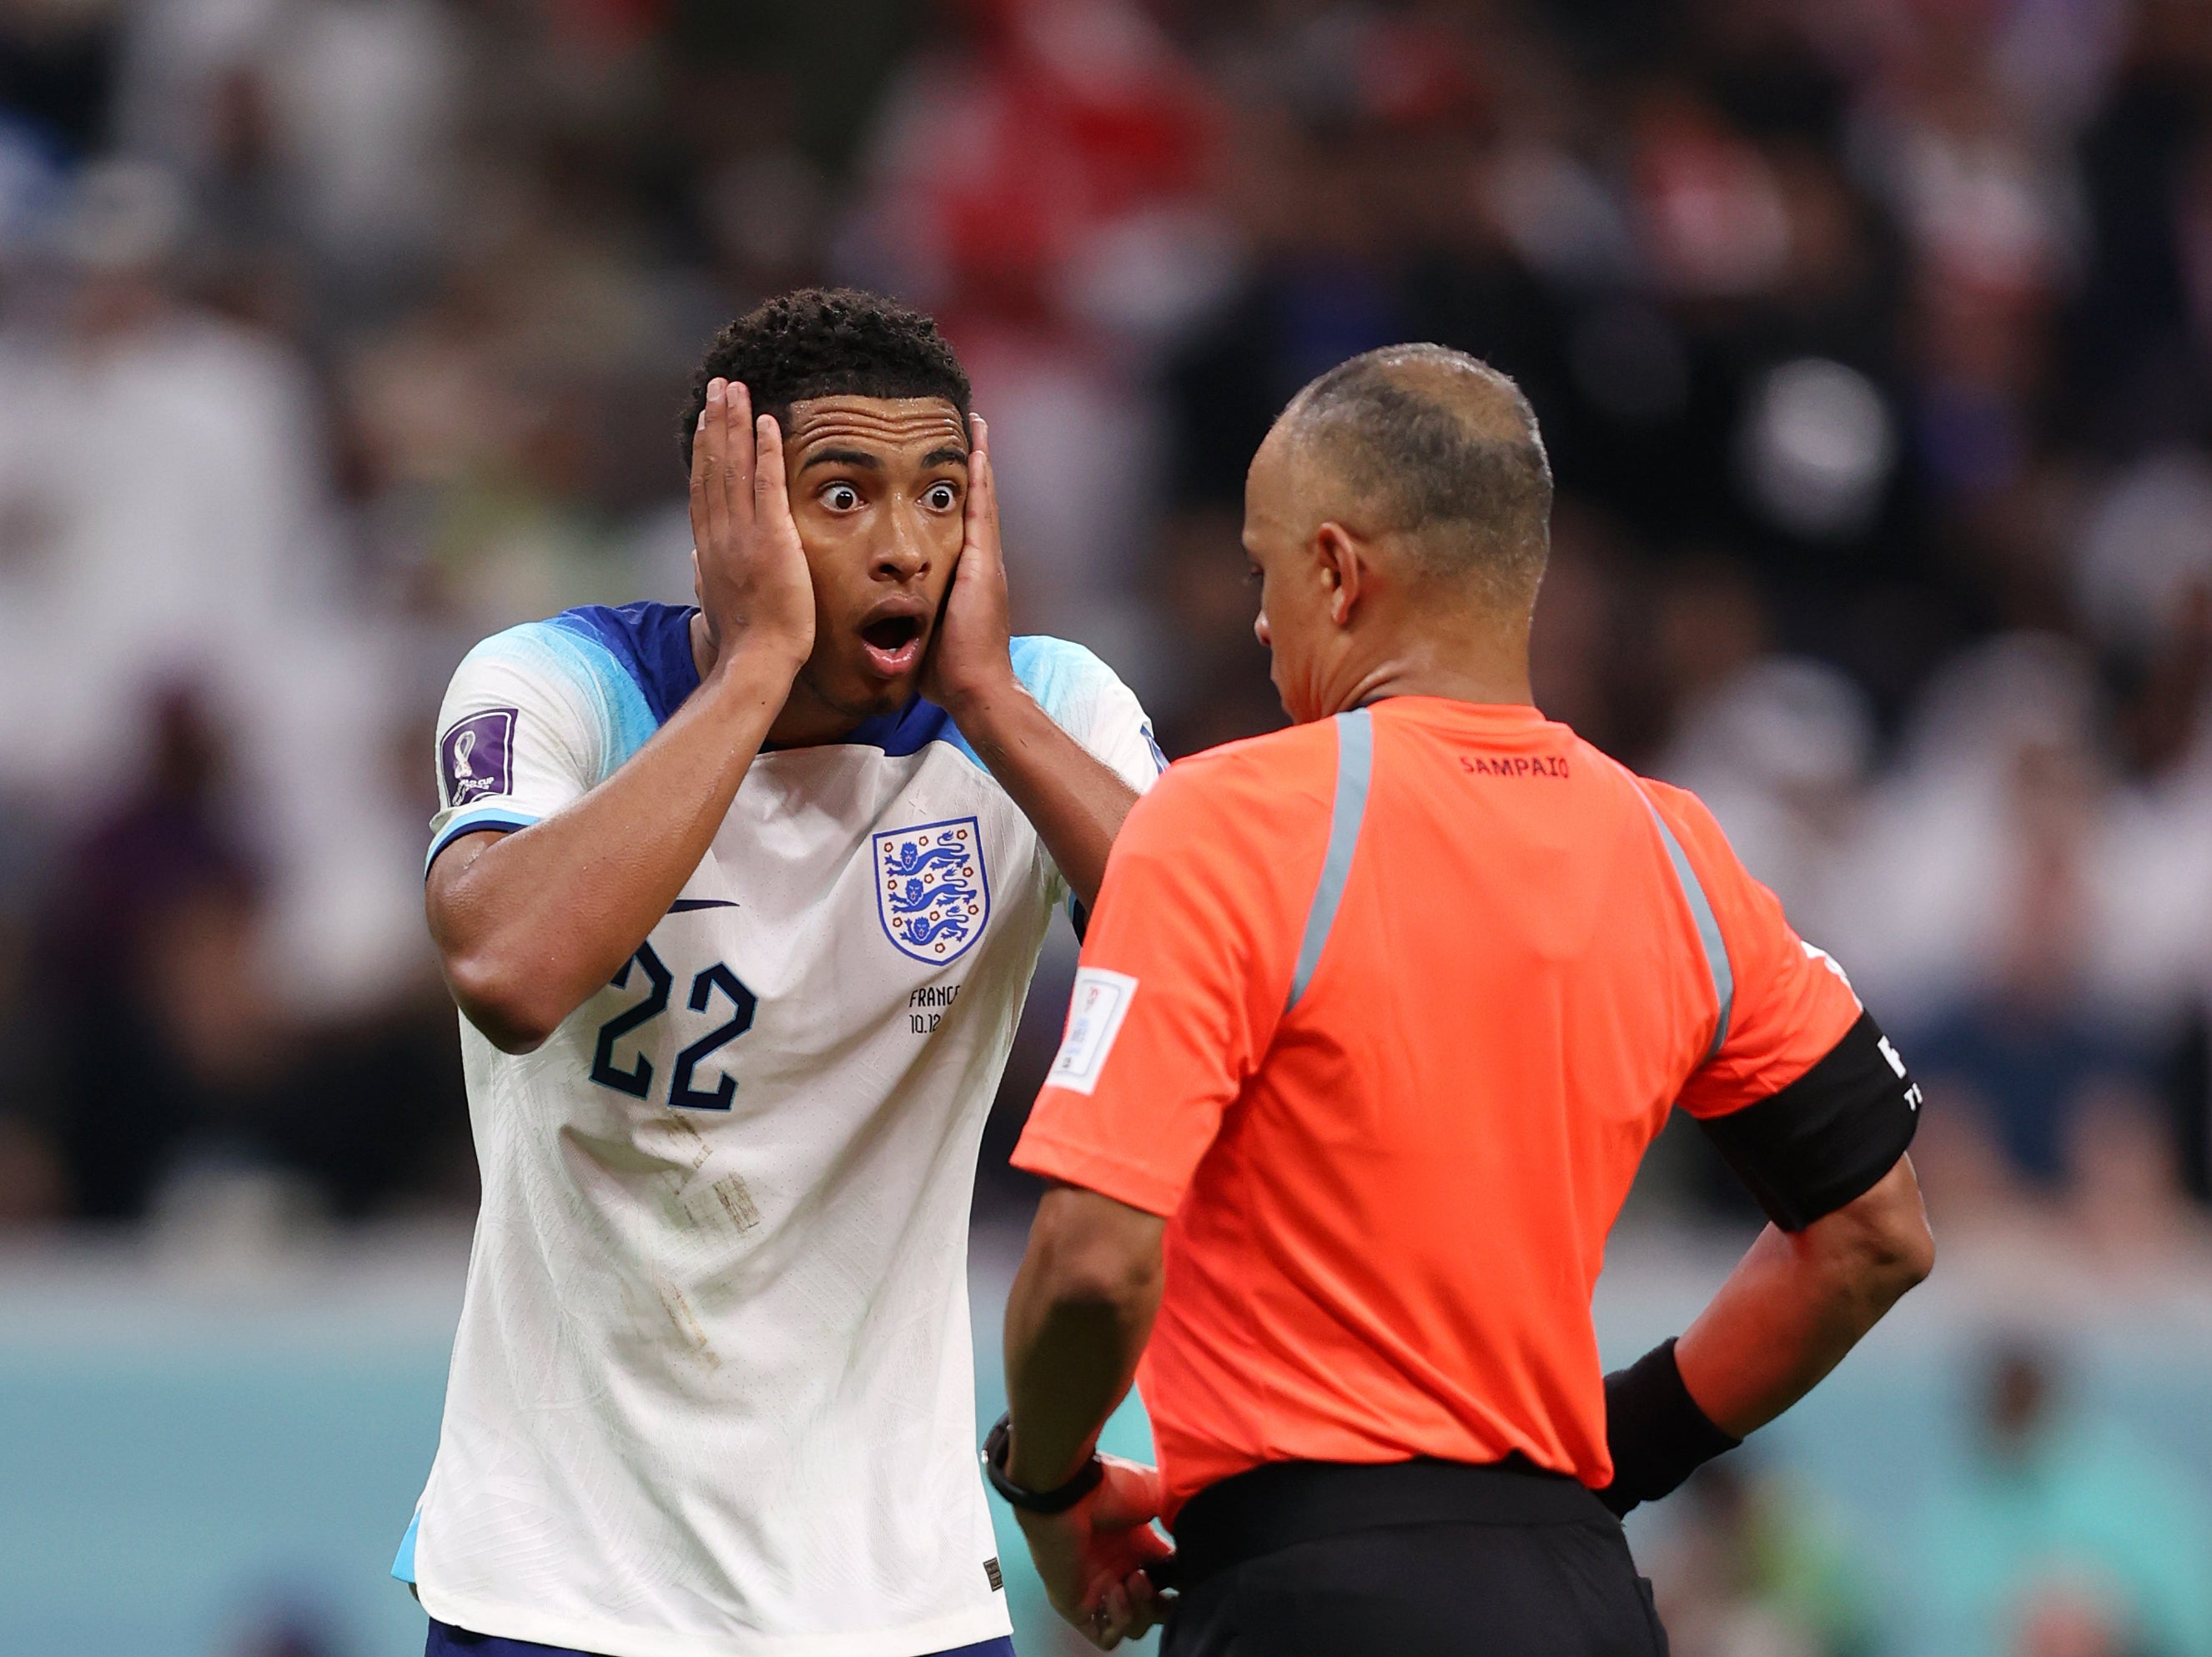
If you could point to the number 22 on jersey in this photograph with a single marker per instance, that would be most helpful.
(637, 1081)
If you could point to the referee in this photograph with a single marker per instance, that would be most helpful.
(1376, 1017)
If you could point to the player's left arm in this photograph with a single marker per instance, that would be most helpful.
(1075, 801)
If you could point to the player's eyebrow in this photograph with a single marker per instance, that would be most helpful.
(944, 456)
(860, 457)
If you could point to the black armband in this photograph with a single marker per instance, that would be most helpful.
(1656, 1434)
(1829, 1136)
(1086, 1479)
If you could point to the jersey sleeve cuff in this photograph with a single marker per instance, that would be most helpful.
(473, 822)
(1049, 1156)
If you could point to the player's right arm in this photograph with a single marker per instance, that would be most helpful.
(529, 922)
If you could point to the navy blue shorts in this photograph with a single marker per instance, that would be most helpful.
(447, 1641)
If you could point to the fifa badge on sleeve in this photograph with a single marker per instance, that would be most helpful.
(476, 757)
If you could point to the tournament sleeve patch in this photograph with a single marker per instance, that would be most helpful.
(1829, 1136)
(475, 758)
(1095, 1013)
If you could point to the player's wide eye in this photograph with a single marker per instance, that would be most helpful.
(841, 497)
(940, 497)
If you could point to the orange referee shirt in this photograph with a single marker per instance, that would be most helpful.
(1381, 1013)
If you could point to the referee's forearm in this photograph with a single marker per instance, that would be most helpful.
(1062, 1383)
(1077, 1321)
(1798, 1301)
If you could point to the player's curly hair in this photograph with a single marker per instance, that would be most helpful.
(827, 341)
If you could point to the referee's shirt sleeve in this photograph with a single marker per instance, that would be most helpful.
(1185, 971)
(1806, 1099)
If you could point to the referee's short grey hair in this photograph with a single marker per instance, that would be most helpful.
(1440, 446)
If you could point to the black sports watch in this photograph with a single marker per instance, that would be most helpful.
(1059, 1501)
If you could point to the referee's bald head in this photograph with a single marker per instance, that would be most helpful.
(1436, 448)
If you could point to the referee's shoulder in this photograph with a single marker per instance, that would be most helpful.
(1296, 759)
(1691, 819)
(1248, 786)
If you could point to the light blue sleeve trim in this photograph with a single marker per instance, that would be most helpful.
(625, 719)
(542, 651)
(1064, 678)
(1070, 683)
(1708, 927)
(1355, 766)
(1055, 671)
(474, 821)
(403, 1563)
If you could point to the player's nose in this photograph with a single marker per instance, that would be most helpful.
(1260, 631)
(903, 551)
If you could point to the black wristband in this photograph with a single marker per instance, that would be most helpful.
(1059, 1501)
(1655, 1429)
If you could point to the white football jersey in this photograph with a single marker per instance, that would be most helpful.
(712, 1393)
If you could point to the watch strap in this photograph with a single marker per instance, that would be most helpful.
(1087, 1477)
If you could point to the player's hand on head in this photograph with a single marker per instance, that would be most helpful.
(971, 655)
(755, 590)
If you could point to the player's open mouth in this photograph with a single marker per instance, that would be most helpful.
(894, 644)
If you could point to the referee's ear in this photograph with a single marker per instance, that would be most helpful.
(1344, 569)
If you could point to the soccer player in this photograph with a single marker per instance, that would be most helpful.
(739, 904)
(1376, 1019)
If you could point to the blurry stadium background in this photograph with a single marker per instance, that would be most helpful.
(1873, 341)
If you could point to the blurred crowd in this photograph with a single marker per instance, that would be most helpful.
(1872, 340)
(2045, 1529)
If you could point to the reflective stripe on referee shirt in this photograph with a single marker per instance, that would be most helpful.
(1355, 766)
(1709, 927)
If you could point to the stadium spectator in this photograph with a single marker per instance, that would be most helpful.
(1755, 1564)
(1898, 317)
(150, 896)
(2057, 1533)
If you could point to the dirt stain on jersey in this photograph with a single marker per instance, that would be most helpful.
(737, 1202)
(673, 1302)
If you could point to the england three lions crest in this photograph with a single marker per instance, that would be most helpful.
(931, 890)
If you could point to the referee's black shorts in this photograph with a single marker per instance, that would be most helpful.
(1307, 1559)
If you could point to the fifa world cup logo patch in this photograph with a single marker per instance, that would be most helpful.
(931, 891)
(475, 756)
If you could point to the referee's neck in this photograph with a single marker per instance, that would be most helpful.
(1429, 668)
